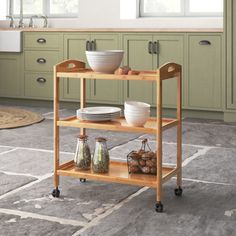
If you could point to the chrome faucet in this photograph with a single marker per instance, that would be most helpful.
(21, 23)
(45, 23)
(12, 25)
(31, 23)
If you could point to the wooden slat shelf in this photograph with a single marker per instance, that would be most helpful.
(118, 125)
(118, 173)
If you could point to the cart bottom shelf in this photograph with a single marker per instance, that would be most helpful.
(118, 173)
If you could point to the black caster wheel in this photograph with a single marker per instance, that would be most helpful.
(178, 191)
(159, 207)
(82, 180)
(56, 192)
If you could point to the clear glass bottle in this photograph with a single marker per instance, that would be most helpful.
(82, 157)
(100, 161)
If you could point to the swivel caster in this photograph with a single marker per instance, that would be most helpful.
(159, 207)
(56, 192)
(178, 191)
(82, 180)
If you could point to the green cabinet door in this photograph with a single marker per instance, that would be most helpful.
(74, 48)
(104, 91)
(10, 75)
(137, 57)
(204, 72)
(171, 49)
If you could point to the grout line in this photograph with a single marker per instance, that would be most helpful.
(24, 214)
(51, 112)
(12, 150)
(19, 174)
(195, 155)
(26, 185)
(96, 220)
(206, 182)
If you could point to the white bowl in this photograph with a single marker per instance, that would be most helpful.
(137, 106)
(136, 119)
(104, 61)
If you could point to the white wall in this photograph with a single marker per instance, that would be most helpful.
(106, 14)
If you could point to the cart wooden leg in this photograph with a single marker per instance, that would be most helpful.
(56, 192)
(159, 205)
(178, 190)
(82, 99)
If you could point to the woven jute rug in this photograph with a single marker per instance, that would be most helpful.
(14, 117)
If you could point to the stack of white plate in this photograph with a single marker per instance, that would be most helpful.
(98, 113)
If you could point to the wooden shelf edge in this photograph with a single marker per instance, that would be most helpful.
(67, 169)
(115, 125)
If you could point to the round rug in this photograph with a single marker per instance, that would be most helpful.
(14, 117)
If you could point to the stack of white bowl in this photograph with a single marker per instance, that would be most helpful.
(136, 113)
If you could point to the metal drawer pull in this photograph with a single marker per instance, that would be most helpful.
(41, 80)
(41, 60)
(41, 40)
(205, 42)
(93, 45)
(88, 46)
(155, 48)
(150, 47)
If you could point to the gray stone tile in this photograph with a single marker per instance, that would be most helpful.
(217, 165)
(30, 162)
(63, 113)
(11, 182)
(169, 151)
(15, 225)
(208, 121)
(78, 201)
(202, 210)
(203, 134)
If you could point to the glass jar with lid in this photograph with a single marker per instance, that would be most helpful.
(82, 157)
(100, 161)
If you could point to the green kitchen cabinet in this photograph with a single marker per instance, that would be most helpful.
(42, 50)
(10, 74)
(75, 45)
(204, 78)
(148, 52)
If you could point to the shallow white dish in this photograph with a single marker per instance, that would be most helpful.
(104, 61)
(98, 113)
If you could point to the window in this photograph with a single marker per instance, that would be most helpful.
(181, 7)
(51, 8)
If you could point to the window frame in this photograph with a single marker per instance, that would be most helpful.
(45, 11)
(185, 11)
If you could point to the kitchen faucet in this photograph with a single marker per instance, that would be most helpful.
(21, 23)
(12, 25)
(45, 23)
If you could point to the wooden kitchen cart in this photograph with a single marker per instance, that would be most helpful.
(118, 171)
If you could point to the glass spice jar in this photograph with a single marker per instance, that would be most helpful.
(82, 157)
(100, 161)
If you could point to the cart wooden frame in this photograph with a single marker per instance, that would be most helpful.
(118, 171)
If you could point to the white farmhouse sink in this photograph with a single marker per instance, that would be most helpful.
(10, 41)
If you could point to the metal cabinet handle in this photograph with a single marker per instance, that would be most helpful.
(88, 46)
(156, 48)
(41, 40)
(41, 60)
(205, 42)
(41, 80)
(93, 45)
(150, 47)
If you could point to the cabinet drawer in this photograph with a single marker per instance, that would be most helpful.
(39, 85)
(41, 60)
(41, 40)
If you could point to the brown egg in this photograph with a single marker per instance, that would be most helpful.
(134, 169)
(133, 163)
(153, 170)
(146, 169)
(142, 162)
(149, 163)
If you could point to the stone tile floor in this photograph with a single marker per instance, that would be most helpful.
(207, 207)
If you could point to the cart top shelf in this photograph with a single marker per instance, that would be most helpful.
(76, 69)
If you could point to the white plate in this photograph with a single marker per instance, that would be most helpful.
(99, 110)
